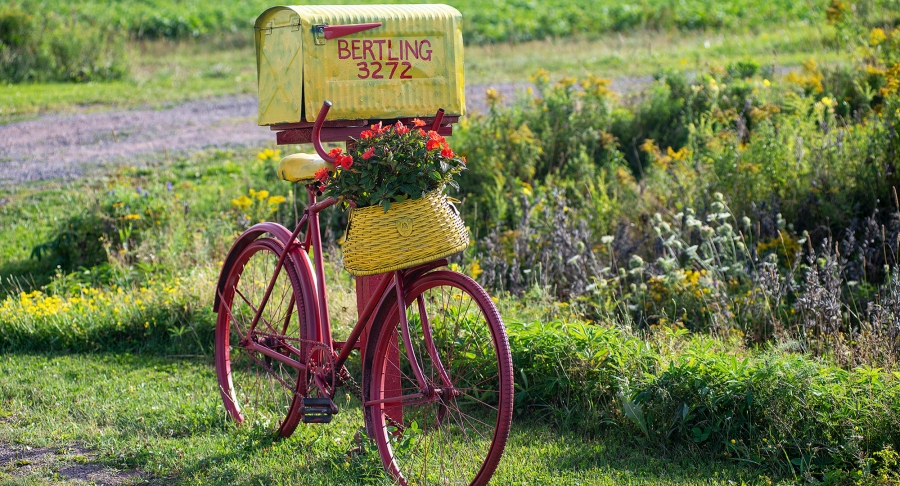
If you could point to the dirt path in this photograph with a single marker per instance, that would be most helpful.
(72, 465)
(70, 145)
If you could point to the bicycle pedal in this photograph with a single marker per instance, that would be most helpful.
(317, 410)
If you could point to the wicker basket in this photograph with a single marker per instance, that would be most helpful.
(412, 232)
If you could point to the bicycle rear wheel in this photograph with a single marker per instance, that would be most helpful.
(455, 430)
(257, 389)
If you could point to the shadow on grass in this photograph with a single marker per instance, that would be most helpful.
(25, 275)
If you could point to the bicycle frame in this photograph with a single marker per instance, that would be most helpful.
(320, 329)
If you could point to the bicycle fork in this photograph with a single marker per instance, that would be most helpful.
(426, 390)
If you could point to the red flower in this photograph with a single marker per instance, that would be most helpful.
(345, 161)
(446, 152)
(421, 132)
(378, 129)
(418, 123)
(322, 174)
(400, 128)
(335, 152)
(367, 134)
(434, 140)
(433, 144)
(369, 153)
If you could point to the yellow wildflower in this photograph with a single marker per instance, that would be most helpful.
(876, 37)
(276, 200)
(132, 216)
(242, 202)
(493, 96)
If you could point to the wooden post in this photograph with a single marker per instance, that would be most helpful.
(365, 289)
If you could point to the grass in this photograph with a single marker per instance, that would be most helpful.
(166, 72)
(141, 392)
(498, 20)
(646, 53)
(164, 416)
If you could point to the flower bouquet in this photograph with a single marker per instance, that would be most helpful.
(393, 183)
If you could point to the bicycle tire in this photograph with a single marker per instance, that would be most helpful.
(450, 439)
(255, 388)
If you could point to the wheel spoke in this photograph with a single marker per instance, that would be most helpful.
(462, 429)
(257, 389)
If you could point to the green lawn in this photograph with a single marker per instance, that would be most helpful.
(164, 416)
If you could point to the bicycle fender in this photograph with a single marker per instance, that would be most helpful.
(280, 233)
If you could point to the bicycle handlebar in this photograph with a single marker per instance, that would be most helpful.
(317, 133)
(320, 120)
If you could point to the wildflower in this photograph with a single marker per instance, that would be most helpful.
(368, 154)
(766, 83)
(132, 216)
(242, 202)
(876, 37)
(492, 96)
(635, 262)
(567, 82)
(541, 77)
(262, 194)
(526, 188)
(275, 200)
(607, 239)
(418, 123)
(322, 174)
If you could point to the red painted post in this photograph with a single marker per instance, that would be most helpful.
(365, 290)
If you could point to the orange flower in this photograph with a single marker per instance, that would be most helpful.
(322, 174)
(369, 153)
(378, 129)
(434, 140)
(345, 161)
(418, 123)
(446, 152)
(335, 152)
(367, 134)
(421, 132)
(400, 128)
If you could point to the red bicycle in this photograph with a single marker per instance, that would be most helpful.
(437, 378)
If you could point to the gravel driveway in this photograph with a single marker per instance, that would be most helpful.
(70, 145)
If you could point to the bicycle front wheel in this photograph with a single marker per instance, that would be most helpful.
(257, 389)
(454, 430)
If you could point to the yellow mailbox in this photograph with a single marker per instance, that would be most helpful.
(373, 62)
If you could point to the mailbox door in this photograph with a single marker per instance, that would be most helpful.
(410, 66)
(279, 41)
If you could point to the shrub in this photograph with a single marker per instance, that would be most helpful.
(50, 49)
(797, 416)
